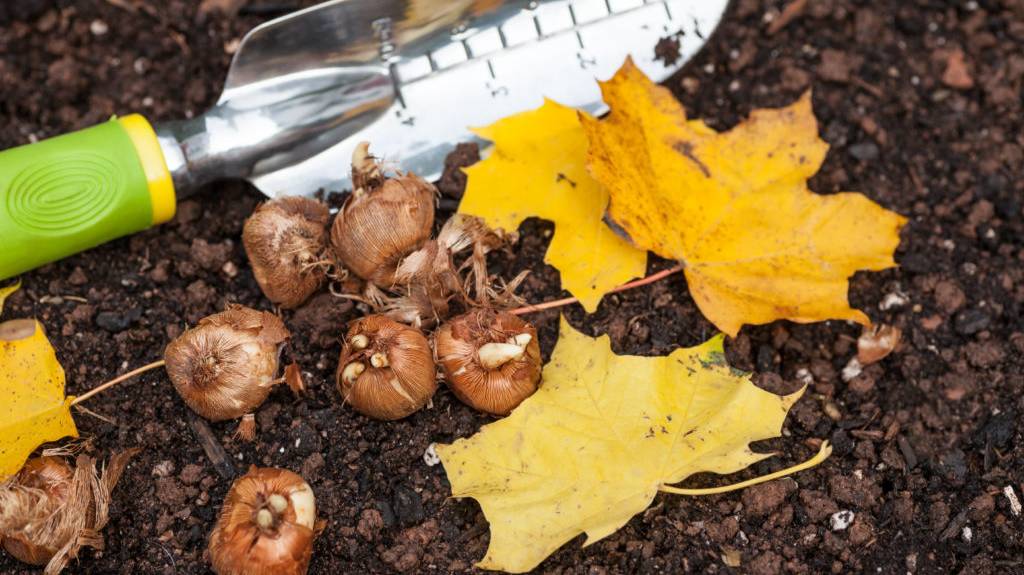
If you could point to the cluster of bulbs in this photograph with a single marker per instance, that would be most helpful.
(226, 366)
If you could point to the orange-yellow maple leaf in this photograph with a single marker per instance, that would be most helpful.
(538, 168)
(734, 207)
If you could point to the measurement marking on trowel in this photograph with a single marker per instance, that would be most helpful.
(495, 90)
(396, 85)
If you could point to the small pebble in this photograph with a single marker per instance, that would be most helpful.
(99, 27)
(163, 469)
(803, 375)
(430, 456)
(852, 369)
(1011, 495)
(864, 151)
(970, 322)
(840, 520)
(892, 301)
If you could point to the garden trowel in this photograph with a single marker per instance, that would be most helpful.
(409, 76)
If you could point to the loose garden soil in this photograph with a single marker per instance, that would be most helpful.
(921, 103)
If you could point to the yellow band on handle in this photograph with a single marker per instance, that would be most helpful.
(161, 186)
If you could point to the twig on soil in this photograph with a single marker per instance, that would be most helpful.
(791, 12)
(214, 450)
(116, 381)
(626, 286)
(102, 418)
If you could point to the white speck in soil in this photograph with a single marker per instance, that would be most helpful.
(840, 520)
(98, 27)
(803, 375)
(852, 369)
(1011, 495)
(893, 300)
(430, 456)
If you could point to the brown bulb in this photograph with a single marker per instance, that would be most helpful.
(490, 359)
(285, 239)
(226, 366)
(266, 526)
(384, 220)
(49, 510)
(386, 370)
(52, 477)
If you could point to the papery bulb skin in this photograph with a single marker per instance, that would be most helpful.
(382, 221)
(53, 477)
(50, 510)
(226, 366)
(266, 526)
(490, 359)
(386, 370)
(285, 240)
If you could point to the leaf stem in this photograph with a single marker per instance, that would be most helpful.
(626, 286)
(116, 381)
(822, 455)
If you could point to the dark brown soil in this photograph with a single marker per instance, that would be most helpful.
(925, 441)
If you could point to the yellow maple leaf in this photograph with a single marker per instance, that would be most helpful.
(602, 436)
(734, 207)
(538, 168)
(7, 291)
(33, 409)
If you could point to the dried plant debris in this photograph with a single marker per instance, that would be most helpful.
(50, 510)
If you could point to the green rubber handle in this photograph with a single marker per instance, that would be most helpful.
(68, 194)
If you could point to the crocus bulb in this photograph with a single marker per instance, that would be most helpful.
(491, 360)
(386, 370)
(285, 240)
(50, 510)
(266, 526)
(382, 221)
(226, 366)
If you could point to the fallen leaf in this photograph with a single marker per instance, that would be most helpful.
(538, 168)
(33, 409)
(734, 207)
(601, 437)
(7, 291)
